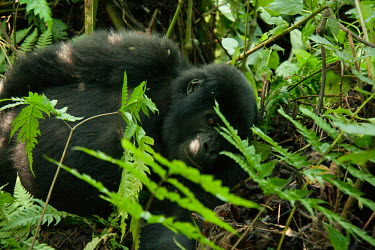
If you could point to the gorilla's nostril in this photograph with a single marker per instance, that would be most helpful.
(209, 149)
(214, 152)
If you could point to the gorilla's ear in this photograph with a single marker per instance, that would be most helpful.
(193, 85)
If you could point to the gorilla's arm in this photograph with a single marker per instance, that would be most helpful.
(100, 60)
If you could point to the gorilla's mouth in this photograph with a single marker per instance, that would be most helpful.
(196, 153)
(191, 159)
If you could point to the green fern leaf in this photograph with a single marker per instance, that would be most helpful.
(59, 30)
(27, 124)
(23, 199)
(135, 209)
(28, 43)
(130, 128)
(320, 122)
(135, 228)
(44, 39)
(21, 34)
(337, 219)
(308, 134)
(361, 175)
(137, 93)
(40, 8)
(295, 160)
(27, 216)
(25, 211)
(351, 191)
(37, 246)
(160, 192)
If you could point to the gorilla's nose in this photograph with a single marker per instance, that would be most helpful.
(210, 149)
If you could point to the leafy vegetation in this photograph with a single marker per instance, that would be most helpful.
(313, 64)
(18, 215)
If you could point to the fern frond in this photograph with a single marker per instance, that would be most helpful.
(37, 245)
(40, 8)
(31, 216)
(29, 42)
(21, 34)
(135, 228)
(22, 196)
(24, 211)
(308, 134)
(44, 39)
(320, 122)
(59, 30)
(27, 124)
(135, 209)
(92, 245)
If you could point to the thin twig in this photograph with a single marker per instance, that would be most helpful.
(356, 37)
(9, 41)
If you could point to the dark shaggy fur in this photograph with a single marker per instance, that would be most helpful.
(86, 75)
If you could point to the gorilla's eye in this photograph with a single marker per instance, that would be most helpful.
(212, 121)
(193, 85)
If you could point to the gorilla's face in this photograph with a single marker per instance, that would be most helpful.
(189, 127)
(201, 146)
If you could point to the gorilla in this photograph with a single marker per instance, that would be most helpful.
(86, 75)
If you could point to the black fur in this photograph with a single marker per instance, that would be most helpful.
(86, 75)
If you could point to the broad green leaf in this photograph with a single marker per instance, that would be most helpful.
(270, 19)
(334, 26)
(296, 40)
(305, 58)
(363, 141)
(224, 8)
(230, 44)
(287, 68)
(287, 7)
(321, 40)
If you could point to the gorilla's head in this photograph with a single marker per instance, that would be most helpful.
(189, 127)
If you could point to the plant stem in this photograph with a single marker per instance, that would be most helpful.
(58, 171)
(175, 17)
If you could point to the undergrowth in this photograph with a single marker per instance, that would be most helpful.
(139, 159)
(18, 216)
(317, 107)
